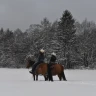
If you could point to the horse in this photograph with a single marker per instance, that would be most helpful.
(57, 69)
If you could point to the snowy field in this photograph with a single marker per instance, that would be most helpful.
(18, 82)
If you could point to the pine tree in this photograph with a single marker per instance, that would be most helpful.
(66, 31)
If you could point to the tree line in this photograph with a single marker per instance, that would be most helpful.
(72, 41)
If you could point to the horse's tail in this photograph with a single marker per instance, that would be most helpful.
(63, 76)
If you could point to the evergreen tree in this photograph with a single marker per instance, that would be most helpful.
(1, 31)
(66, 31)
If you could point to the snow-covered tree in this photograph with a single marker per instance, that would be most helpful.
(67, 30)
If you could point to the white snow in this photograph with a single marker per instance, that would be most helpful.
(18, 82)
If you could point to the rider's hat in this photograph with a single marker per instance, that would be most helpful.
(42, 51)
(54, 54)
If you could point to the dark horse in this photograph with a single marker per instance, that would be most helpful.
(57, 69)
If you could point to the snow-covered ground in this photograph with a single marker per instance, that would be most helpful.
(18, 82)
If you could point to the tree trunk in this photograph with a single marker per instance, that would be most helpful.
(85, 60)
(68, 61)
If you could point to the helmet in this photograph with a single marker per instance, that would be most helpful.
(42, 51)
(54, 54)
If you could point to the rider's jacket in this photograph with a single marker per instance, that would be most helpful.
(53, 59)
(40, 58)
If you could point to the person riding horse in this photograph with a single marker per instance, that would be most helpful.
(52, 61)
(39, 60)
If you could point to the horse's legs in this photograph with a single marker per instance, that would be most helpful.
(50, 77)
(45, 77)
(59, 75)
(63, 76)
(34, 77)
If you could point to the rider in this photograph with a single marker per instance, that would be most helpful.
(39, 60)
(52, 61)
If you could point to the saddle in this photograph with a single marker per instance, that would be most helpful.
(52, 65)
(38, 65)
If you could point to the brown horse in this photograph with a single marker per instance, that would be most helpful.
(57, 69)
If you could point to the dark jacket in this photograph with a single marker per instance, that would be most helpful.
(53, 59)
(41, 58)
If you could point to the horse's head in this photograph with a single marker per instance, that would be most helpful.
(30, 61)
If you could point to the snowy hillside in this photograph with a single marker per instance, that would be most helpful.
(18, 82)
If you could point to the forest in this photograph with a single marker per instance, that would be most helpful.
(73, 42)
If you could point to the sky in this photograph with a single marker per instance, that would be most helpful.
(22, 13)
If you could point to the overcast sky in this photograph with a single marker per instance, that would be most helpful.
(21, 13)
